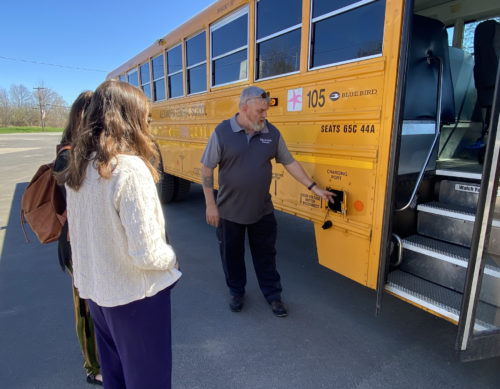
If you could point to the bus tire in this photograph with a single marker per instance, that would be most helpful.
(167, 188)
(182, 189)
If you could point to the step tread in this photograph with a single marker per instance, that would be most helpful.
(447, 207)
(437, 298)
(450, 250)
(459, 168)
(438, 246)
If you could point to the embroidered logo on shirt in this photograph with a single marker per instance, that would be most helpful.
(266, 140)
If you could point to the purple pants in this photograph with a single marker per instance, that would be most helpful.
(134, 343)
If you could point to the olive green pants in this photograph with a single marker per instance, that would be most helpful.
(85, 332)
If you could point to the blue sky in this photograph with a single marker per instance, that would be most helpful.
(95, 36)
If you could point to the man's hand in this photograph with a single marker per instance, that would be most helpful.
(207, 179)
(326, 194)
(212, 215)
(298, 172)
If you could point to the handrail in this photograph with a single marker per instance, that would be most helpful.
(400, 250)
(430, 58)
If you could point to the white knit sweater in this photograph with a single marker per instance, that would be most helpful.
(117, 232)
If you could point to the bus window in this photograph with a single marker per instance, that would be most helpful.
(158, 79)
(450, 31)
(145, 79)
(196, 64)
(336, 33)
(468, 42)
(278, 37)
(174, 72)
(123, 77)
(229, 48)
(132, 78)
(469, 31)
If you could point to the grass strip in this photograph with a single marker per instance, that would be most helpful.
(13, 130)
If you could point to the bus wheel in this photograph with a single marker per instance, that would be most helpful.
(182, 191)
(166, 188)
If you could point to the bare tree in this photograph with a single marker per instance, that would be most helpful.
(21, 105)
(4, 108)
(57, 111)
(52, 107)
(20, 96)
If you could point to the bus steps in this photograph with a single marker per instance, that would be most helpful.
(453, 223)
(434, 298)
(433, 264)
(446, 264)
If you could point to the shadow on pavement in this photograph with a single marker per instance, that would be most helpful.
(38, 344)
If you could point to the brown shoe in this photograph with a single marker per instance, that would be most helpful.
(279, 308)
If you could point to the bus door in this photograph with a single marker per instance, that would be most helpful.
(441, 250)
(424, 105)
(479, 325)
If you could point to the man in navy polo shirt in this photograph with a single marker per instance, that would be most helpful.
(243, 147)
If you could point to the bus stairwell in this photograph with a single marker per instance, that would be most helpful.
(437, 198)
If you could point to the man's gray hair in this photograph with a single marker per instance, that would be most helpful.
(253, 92)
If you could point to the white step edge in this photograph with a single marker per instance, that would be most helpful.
(453, 214)
(459, 174)
(446, 212)
(446, 258)
(393, 288)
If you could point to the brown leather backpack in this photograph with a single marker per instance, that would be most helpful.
(43, 205)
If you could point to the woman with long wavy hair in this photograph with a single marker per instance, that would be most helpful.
(83, 320)
(122, 263)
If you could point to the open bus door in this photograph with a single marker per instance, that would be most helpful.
(479, 324)
(441, 250)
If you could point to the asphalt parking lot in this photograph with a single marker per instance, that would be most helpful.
(331, 339)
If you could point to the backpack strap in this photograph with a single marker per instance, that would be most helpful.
(23, 222)
(60, 149)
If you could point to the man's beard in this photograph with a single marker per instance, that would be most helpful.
(258, 126)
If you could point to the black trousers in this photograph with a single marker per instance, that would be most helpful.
(262, 240)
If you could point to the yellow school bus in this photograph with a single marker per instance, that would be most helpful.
(391, 104)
